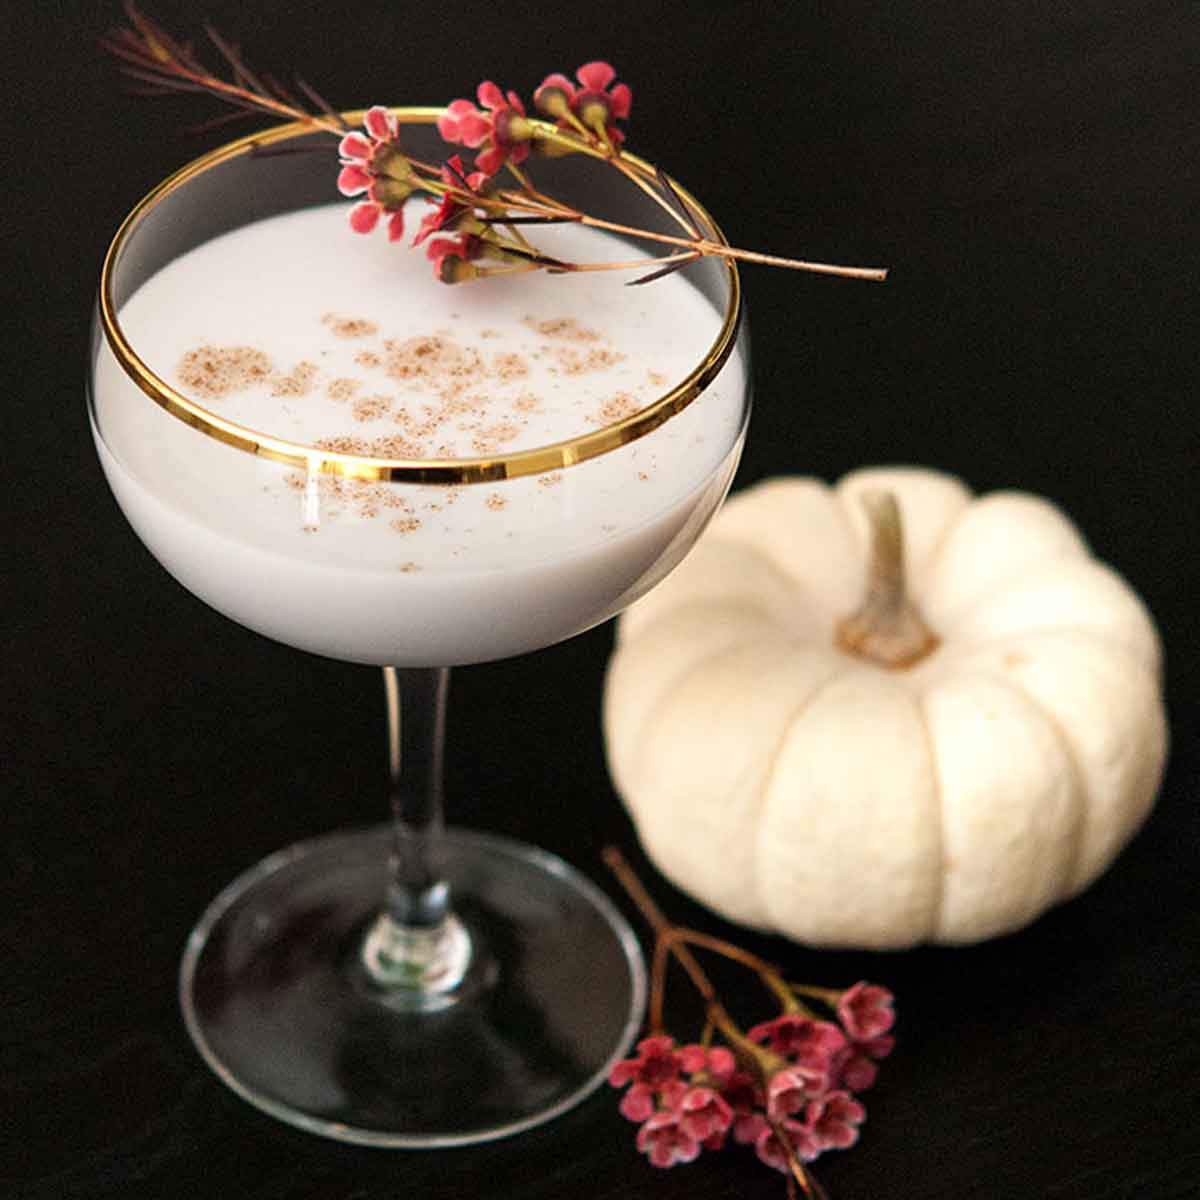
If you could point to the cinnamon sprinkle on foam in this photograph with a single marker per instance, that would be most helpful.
(562, 328)
(371, 408)
(211, 372)
(349, 327)
(297, 382)
(615, 408)
(342, 388)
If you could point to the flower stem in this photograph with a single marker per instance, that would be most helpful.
(829, 996)
(704, 246)
(658, 987)
(635, 177)
(640, 264)
(668, 941)
(797, 1171)
(655, 919)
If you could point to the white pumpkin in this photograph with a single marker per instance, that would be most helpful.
(781, 775)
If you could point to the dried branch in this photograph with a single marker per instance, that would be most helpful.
(151, 55)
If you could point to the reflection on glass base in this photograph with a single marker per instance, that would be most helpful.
(277, 1000)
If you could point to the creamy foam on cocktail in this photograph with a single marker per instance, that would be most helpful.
(296, 329)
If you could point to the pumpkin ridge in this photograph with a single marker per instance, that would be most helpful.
(676, 680)
(1130, 662)
(837, 673)
(683, 590)
(752, 660)
(1131, 636)
(1079, 789)
(1029, 569)
(780, 558)
(934, 931)
(1110, 644)
(666, 688)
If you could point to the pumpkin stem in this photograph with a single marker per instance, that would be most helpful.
(886, 628)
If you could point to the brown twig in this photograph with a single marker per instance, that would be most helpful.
(151, 55)
(616, 863)
(698, 245)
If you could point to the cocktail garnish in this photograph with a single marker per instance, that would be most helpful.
(479, 214)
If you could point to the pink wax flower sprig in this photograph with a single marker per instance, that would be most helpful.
(479, 215)
(502, 129)
(788, 1086)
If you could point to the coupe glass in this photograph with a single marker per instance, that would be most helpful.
(408, 985)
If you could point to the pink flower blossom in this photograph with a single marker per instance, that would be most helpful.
(854, 1070)
(834, 1120)
(452, 257)
(463, 124)
(704, 1115)
(745, 1099)
(638, 1104)
(721, 1063)
(771, 1150)
(595, 104)
(642, 1101)
(748, 1127)
(866, 1011)
(791, 1088)
(697, 1108)
(853, 1065)
(830, 1123)
(715, 1064)
(382, 125)
(878, 1047)
(658, 1063)
(665, 1141)
(375, 164)
(802, 1040)
(502, 129)
(451, 210)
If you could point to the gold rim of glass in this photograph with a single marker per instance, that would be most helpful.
(535, 461)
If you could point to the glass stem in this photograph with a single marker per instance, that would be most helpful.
(416, 944)
(416, 728)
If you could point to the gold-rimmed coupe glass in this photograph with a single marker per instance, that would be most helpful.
(409, 985)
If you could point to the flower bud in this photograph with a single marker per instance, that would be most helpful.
(511, 127)
(550, 148)
(391, 161)
(553, 101)
(390, 193)
(452, 269)
(593, 112)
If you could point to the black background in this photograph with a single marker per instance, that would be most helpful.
(1030, 173)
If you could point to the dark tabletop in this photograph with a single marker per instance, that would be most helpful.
(1030, 172)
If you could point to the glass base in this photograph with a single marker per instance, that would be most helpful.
(277, 1000)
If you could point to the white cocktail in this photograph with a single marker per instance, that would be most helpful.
(332, 448)
(296, 329)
